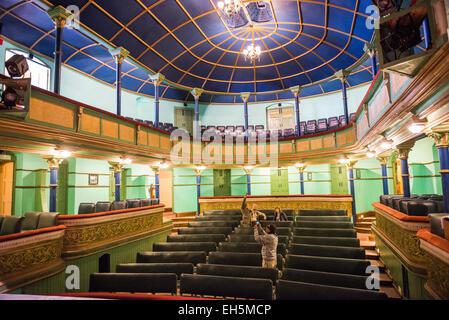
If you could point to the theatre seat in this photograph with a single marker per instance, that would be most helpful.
(119, 205)
(155, 202)
(326, 251)
(193, 257)
(48, 219)
(327, 241)
(222, 212)
(185, 246)
(435, 223)
(219, 218)
(250, 238)
(133, 203)
(289, 290)
(248, 247)
(323, 212)
(316, 232)
(282, 231)
(420, 207)
(133, 282)
(240, 259)
(226, 286)
(145, 202)
(324, 218)
(11, 225)
(86, 208)
(324, 224)
(102, 206)
(31, 221)
(176, 268)
(205, 230)
(196, 238)
(285, 224)
(325, 278)
(237, 271)
(202, 224)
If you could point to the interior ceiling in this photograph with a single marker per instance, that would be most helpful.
(191, 44)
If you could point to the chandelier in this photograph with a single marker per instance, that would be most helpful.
(230, 7)
(252, 52)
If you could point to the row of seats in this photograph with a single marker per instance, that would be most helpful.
(31, 221)
(436, 224)
(319, 257)
(169, 127)
(105, 206)
(415, 205)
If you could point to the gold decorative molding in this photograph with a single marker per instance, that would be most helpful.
(296, 91)
(53, 162)
(404, 149)
(157, 78)
(59, 15)
(196, 93)
(441, 137)
(245, 96)
(119, 54)
(117, 166)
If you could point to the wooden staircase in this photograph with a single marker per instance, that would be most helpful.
(181, 220)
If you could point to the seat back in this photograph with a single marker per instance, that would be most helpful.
(201, 224)
(205, 230)
(102, 206)
(176, 268)
(11, 225)
(230, 128)
(342, 120)
(324, 224)
(250, 238)
(311, 126)
(145, 202)
(281, 231)
(333, 123)
(226, 286)
(237, 271)
(235, 258)
(284, 224)
(133, 282)
(436, 226)
(31, 221)
(321, 232)
(328, 264)
(236, 212)
(302, 127)
(134, 203)
(48, 219)
(420, 207)
(193, 257)
(155, 202)
(119, 205)
(86, 208)
(185, 246)
(327, 241)
(197, 238)
(249, 247)
(326, 251)
(322, 212)
(222, 217)
(288, 133)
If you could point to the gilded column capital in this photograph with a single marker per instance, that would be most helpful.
(199, 169)
(296, 91)
(119, 54)
(196, 93)
(350, 164)
(370, 49)
(441, 135)
(156, 169)
(342, 75)
(404, 149)
(382, 160)
(245, 96)
(53, 162)
(157, 78)
(59, 15)
(118, 166)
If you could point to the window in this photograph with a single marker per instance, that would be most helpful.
(38, 71)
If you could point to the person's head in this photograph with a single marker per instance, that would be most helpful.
(277, 210)
(254, 206)
(271, 229)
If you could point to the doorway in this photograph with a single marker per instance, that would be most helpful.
(222, 182)
(281, 118)
(184, 119)
(339, 178)
(6, 187)
(279, 181)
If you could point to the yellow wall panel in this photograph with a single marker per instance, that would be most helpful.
(316, 144)
(44, 111)
(109, 128)
(153, 140)
(302, 146)
(142, 137)
(90, 124)
(165, 143)
(329, 142)
(286, 148)
(126, 133)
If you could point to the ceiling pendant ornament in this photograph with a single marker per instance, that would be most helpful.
(230, 7)
(252, 52)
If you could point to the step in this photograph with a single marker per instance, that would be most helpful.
(362, 230)
(391, 292)
(372, 255)
(385, 280)
(186, 214)
(377, 263)
(184, 219)
(363, 224)
(367, 244)
(368, 219)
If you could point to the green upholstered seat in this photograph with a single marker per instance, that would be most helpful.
(250, 238)
(324, 218)
(200, 224)
(177, 268)
(219, 218)
(205, 230)
(193, 257)
(1, 221)
(48, 219)
(327, 264)
(31, 221)
(318, 232)
(289, 290)
(280, 224)
(324, 224)
(197, 238)
(222, 212)
(237, 271)
(250, 247)
(133, 282)
(327, 251)
(185, 246)
(11, 225)
(281, 231)
(322, 212)
(240, 259)
(327, 241)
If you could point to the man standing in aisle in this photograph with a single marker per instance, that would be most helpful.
(250, 217)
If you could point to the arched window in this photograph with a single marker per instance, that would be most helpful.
(38, 71)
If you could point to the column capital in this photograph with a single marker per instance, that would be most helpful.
(53, 162)
(248, 169)
(156, 169)
(59, 15)
(302, 169)
(196, 93)
(403, 149)
(441, 135)
(370, 49)
(118, 166)
(342, 74)
(296, 91)
(119, 54)
(382, 160)
(245, 96)
(199, 169)
(157, 78)
(350, 164)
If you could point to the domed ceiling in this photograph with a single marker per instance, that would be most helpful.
(195, 44)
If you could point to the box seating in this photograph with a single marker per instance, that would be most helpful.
(240, 259)
(133, 203)
(302, 128)
(282, 231)
(333, 123)
(327, 264)
(103, 206)
(326, 251)
(289, 290)
(249, 247)
(226, 286)
(200, 224)
(250, 238)
(184, 246)
(205, 230)
(435, 223)
(193, 257)
(322, 125)
(323, 218)
(311, 127)
(47, 220)
(119, 205)
(327, 241)
(176, 268)
(288, 132)
(323, 212)
(237, 271)
(321, 232)
(218, 218)
(197, 238)
(30, 221)
(324, 224)
(133, 282)
(11, 225)
(86, 208)
(325, 278)
(420, 207)
(342, 120)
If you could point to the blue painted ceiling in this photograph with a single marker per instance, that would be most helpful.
(192, 45)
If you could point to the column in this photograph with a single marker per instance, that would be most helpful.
(198, 171)
(59, 15)
(301, 177)
(403, 151)
(196, 93)
(245, 97)
(53, 163)
(343, 75)
(296, 91)
(156, 171)
(371, 50)
(442, 143)
(156, 79)
(119, 55)
(118, 166)
(350, 165)
(383, 164)
(248, 170)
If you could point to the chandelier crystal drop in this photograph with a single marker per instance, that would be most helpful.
(230, 7)
(252, 52)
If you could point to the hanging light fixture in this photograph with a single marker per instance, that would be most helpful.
(230, 7)
(252, 52)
